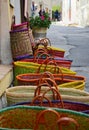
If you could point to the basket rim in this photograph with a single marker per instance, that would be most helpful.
(18, 25)
(18, 77)
(29, 64)
(43, 108)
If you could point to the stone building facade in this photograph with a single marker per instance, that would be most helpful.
(75, 12)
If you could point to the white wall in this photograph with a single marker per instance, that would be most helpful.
(73, 11)
(17, 11)
(84, 13)
(73, 6)
(5, 50)
(65, 11)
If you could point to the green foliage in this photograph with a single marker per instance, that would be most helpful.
(43, 21)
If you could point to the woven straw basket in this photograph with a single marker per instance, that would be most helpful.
(53, 51)
(56, 102)
(33, 79)
(34, 67)
(20, 26)
(75, 84)
(19, 94)
(20, 43)
(39, 118)
(30, 67)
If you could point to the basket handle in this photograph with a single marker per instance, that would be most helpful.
(41, 119)
(39, 87)
(40, 99)
(38, 44)
(52, 62)
(45, 62)
(12, 22)
(39, 50)
(47, 74)
(44, 41)
(49, 81)
(37, 53)
(66, 121)
(55, 93)
(55, 69)
(41, 54)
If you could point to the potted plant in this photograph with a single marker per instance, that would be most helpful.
(40, 24)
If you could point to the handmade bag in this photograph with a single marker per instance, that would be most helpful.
(41, 57)
(57, 102)
(34, 79)
(30, 67)
(53, 51)
(20, 41)
(27, 117)
(18, 27)
(25, 93)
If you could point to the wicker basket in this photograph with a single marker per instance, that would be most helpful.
(30, 67)
(35, 67)
(68, 78)
(20, 43)
(56, 102)
(44, 57)
(76, 106)
(25, 93)
(20, 26)
(56, 51)
(19, 94)
(38, 118)
(75, 84)
(53, 51)
(33, 79)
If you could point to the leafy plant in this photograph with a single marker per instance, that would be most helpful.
(40, 21)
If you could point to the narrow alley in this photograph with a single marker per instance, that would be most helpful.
(75, 40)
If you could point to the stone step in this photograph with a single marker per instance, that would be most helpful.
(6, 78)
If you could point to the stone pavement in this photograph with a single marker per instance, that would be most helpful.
(75, 41)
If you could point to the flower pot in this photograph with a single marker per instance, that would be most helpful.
(39, 32)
